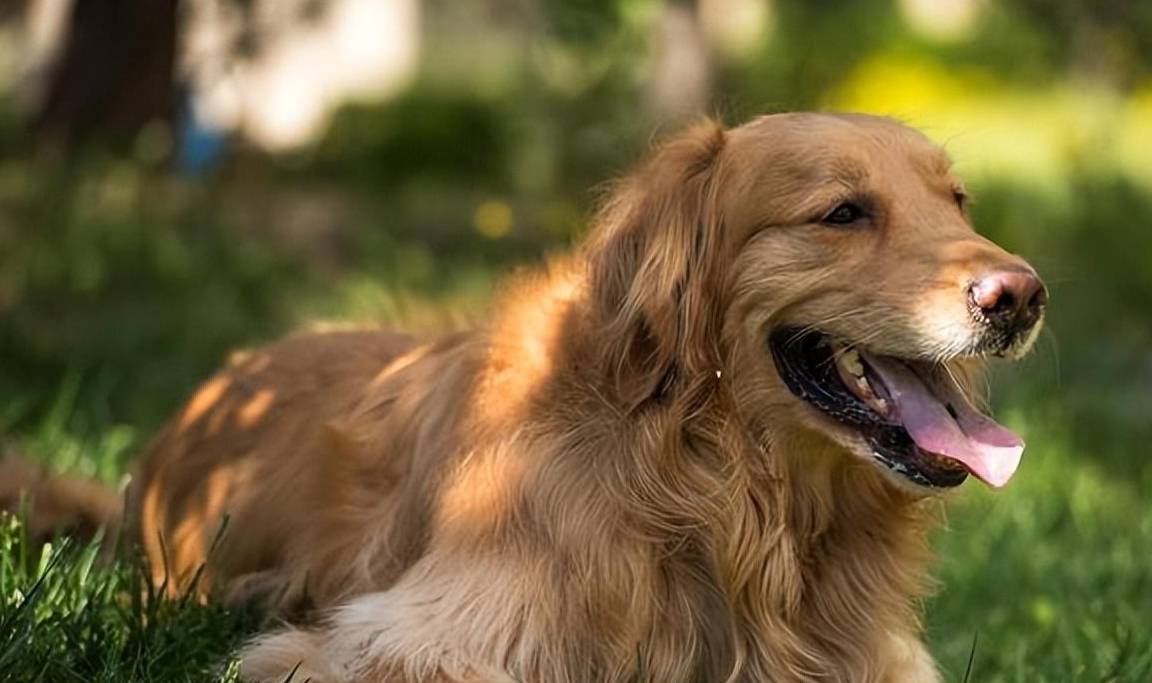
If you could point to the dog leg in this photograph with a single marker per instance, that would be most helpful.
(407, 634)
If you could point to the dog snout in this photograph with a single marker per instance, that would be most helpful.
(1010, 300)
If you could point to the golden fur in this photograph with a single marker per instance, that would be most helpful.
(609, 483)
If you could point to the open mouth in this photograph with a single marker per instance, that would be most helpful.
(913, 417)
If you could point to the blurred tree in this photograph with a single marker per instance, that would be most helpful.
(1102, 39)
(115, 74)
(583, 21)
(680, 81)
(824, 40)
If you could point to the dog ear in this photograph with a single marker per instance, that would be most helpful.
(654, 266)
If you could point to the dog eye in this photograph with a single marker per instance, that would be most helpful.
(961, 199)
(844, 214)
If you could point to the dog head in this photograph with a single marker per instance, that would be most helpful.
(827, 265)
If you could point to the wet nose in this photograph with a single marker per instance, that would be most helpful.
(1010, 298)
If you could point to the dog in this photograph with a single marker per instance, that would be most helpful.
(708, 446)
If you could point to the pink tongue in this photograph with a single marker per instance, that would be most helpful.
(988, 450)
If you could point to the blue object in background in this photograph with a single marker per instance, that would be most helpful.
(201, 146)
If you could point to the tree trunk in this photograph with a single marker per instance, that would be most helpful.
(115, 73)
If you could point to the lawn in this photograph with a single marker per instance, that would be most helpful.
(120, 288)
(1045, 581)
(1048, 580)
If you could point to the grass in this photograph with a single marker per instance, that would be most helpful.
(1050, 577)
(66, 615)
(118, 292)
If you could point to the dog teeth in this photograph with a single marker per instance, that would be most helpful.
(852, 370)
(852, 362)
(849, 361)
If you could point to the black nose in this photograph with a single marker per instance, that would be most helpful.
(1012, 300)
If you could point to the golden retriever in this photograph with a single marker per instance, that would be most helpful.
(705, 448)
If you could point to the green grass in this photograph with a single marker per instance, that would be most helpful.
(66, 614)
(119, 291)
(1049, 577)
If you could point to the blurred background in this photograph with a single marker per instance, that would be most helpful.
(180, 178)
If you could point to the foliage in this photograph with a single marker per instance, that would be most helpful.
(68, 615)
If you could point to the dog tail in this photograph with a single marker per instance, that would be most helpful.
(54, 505)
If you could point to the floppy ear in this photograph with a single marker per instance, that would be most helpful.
(655, 261)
